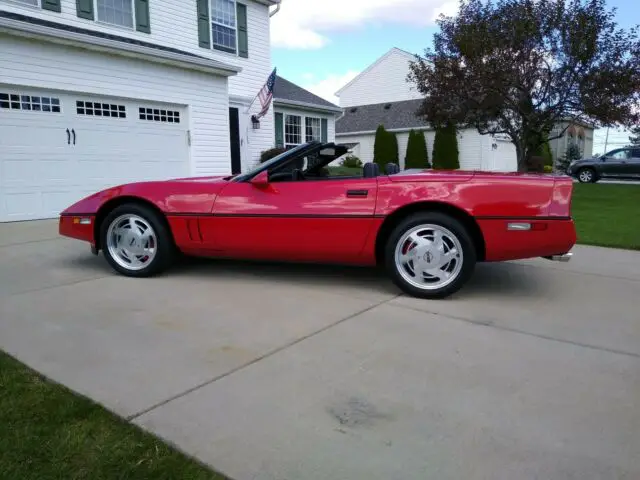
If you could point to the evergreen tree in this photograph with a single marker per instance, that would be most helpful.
(635, 136)
(417, 155)
(394, 155)
(445, 148)
(572, 153)
(544, 151)
(380, 147)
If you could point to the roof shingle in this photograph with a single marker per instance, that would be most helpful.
(285, 90)
(393, 115)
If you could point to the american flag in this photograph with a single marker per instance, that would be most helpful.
(266, 94)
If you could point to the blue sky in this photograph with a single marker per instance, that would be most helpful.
(322, 45)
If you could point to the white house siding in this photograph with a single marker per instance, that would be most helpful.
(53, 67)
(384, 81)
(476, 151)
(174, 24)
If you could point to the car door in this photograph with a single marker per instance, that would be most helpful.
(615, 162)
(306, 220)
(633, 165)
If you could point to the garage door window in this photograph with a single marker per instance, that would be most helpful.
(14, 101)
(98, 109)
(158, 115)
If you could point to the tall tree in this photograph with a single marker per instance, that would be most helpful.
(635, 136)
(518, 67)
(445, 148)
(417, 155)
(381, 147)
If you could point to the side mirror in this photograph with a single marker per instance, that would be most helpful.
(261, 179)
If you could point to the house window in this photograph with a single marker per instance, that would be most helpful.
(29, 102)
(116, 12)
(223, 25)
(292, 131)
(99, 109)
(313, 129)
(32, 3)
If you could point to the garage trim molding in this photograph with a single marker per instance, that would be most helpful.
(64, 37)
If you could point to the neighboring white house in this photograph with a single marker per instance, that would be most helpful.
(301, 116)
(381, 94)
(95, 93)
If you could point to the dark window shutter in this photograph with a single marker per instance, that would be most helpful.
(84, 9)
(243, 36)
(143, 23)
(325, 128)
(279, 130)
(204, 27)
(53, 5)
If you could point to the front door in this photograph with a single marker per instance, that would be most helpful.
(615, 163)
(307, 220)
(234, 137)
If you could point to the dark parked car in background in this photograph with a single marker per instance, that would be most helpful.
(621, 163)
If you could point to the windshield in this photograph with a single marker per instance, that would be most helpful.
(271, 161)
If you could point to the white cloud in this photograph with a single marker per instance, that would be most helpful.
(305, 24)
(327, 87)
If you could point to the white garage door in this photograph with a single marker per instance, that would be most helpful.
(57, 148)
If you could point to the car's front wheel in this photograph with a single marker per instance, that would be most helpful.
(430, 255)
(587, 175)
(136, 242)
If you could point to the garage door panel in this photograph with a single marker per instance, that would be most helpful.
(42, 170)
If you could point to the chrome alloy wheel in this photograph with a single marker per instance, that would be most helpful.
(132, 242)
(586, 176)
(429, 257)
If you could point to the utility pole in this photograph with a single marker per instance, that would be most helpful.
(606, 142)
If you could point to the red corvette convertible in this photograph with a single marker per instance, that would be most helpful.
(427, 228)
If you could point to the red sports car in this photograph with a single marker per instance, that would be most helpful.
(428, 228)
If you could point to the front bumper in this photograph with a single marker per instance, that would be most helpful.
(79, 227)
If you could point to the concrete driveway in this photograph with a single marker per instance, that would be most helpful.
(298, 372)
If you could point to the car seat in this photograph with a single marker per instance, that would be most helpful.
(371, 170)
(391, 168)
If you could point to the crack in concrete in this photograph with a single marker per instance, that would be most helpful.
(489, 324)
(258, 359)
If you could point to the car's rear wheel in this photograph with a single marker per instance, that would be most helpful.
(136, 241)
(430, 255)
(587, 175)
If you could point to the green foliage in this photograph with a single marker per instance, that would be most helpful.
(417, 155)
(517, 66)
(635, 136)
(572, 153)
(351, 161)
(272, 152)
(445, 148)
(548, 169)
(544, 151)
(385, 148)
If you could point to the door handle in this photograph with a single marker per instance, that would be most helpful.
(357, 193)
(74, 136)
(68, 137)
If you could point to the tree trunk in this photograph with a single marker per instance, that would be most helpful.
(521, 156)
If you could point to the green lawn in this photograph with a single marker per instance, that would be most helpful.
(607, 215)
(47, 432)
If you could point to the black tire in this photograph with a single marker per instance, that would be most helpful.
(587, 175)
(166, 251)
(455, 227)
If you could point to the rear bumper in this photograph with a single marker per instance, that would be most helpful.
(79, 227)
(551, 238)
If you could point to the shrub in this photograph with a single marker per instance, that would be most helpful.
(272, 152)
(351, 161)
(385, 148)
(445, 148)
(572, 153)
(535, 163)
(417, 155)
(548, 169)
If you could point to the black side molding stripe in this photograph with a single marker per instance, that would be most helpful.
(269, 215)
(521, 219)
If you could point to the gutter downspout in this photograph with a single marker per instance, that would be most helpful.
(276, 10)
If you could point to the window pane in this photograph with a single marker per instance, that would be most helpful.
(292, 130)
(223, 12)
(117, 12)
(313, 129)
(223, 36)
